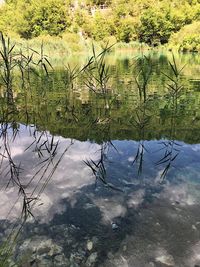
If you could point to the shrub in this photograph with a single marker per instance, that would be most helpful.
(188, 38)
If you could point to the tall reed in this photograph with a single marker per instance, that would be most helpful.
(97, 73)
(144, 70)
(7, 64)
(174, 84)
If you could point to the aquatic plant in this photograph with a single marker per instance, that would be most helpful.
(174, 84)
(25, 64)
(143, 66)
(43, 61)
(140, 121)
(10, 60)
(171, 151)
(7, 63)
(98, 167)
(72, 73)
(170, 147)
(97, 72)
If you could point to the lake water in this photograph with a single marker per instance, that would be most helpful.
(108, 179)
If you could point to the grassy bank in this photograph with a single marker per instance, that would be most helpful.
(61, 48)
(69, 44)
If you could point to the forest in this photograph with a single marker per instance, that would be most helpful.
(154, 22)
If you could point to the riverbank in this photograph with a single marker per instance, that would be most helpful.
(70, 44)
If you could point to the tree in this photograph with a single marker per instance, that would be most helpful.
(154, 27)
(125, 30)
(31, 18)
(101, 26)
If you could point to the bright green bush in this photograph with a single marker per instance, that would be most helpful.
(188, 38)
(191, 43)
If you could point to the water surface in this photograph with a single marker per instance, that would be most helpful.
(92, 179)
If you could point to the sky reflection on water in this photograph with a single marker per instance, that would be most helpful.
(146, 203)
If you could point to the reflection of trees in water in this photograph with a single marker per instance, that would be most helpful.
(141, 118)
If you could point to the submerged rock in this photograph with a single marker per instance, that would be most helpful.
(151, 264)
(166, 259)
(77, 257)
(194, 227)
(110, 255)
(89, 245)
(114, 226)
(61, 261)
(42, 251)
(91, 259)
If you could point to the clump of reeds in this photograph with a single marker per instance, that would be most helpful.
(97, 72)
(98, 167)
(171, 151)
(43, 61)
(170, 147)
(71, 73)
(7, 64)
(174, 85)
(144, 70)
(140, 121)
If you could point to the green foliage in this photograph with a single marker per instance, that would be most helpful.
(188, 38)
(100, 2)
(38, 17)
(179, 18)
(191, 43)
(155, 28)
(125, 32)
(101, 27)
(152, 22)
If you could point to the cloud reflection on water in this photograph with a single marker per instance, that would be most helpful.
(69, 177)
(72, 175)
(159, 206)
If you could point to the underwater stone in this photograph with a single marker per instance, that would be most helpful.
(43, 250)
(40, 249)
(89, 245)
(95, 240)
(74, 264)
(115, 226)
(91, 259)
(61, 261)
(166, 259)
(194, 227)
(110, 255)
(77, 257)
(124, 248)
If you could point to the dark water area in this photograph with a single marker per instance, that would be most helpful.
(93, 178)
